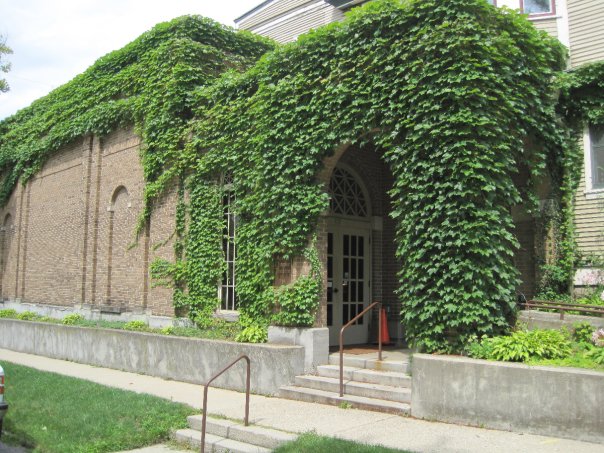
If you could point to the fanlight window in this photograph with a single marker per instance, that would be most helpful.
(347, 197)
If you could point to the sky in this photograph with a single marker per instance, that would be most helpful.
(55, 40)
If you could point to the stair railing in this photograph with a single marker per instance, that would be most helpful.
(342, 340)
(205, 397)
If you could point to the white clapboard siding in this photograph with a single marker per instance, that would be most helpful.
(549, 25)
(285, 20)
(586, 27)
(589, 220)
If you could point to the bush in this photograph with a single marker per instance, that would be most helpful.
(479, 349)
(582, 332)
(522, 346)
(597, 355)
(555, 279)
(253, 334)
(8, 313)
(168, 330)
(28, 316)
(140, 326)
(72, 319)
(553, 296)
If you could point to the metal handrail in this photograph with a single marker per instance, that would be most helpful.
(342, 340)
(205, 398)
(562, 307)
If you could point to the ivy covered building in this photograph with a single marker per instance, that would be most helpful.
(405, 154)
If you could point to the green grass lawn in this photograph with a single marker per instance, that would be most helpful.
(312, 443)
(53, 413)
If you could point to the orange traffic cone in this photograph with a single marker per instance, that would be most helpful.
(385, 334)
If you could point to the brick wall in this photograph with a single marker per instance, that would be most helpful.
(375, 175)
(524, 257)
(377, 178)
(68, 234)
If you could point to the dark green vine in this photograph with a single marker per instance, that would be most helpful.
(456, 94)
(580, 104)
(148, 84)
(453, 90)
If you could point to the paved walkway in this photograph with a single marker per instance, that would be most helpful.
(12, 449)
(356, 425)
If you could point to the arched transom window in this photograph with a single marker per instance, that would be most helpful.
(346, 194)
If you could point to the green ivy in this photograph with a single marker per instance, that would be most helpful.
(148, 83)
(297, 303)
(581, 103)
(452, 92)
(456, 94)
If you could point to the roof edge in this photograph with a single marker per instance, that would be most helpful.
(254, 10)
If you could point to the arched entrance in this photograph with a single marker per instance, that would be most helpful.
(356, 244)
(348, 256)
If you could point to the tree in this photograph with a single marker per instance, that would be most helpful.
(4, 65)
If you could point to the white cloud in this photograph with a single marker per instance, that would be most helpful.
(53, 41)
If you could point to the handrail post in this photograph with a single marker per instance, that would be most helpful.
(380, 331)
(205, 397)
(342, 340)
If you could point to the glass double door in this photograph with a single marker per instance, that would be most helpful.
(348, 283)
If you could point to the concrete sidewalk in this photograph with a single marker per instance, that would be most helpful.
(295, 416)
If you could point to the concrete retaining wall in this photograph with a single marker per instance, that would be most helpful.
(544, 320)
(184, 359)
(560, 402)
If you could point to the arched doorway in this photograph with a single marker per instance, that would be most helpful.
(358, 181)
(348, 255)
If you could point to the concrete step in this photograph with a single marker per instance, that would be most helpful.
(391, 378)
(255, 435)
(359, 402)
(402, 366)
(367, 390)
(214, 443)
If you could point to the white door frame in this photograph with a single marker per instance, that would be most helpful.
(342, 285)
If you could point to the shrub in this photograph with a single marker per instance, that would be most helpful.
(553, 296)
(582, 332)
(168, 330)
(8, 313)
(72, 319)
(597, 355)
(522, 346)
(253, 334)
(28, 316)
(554, 279)
(136, 326)
(479, 349)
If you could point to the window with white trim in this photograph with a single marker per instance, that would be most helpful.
(538, 7)
(596, 154)
(227, 292)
